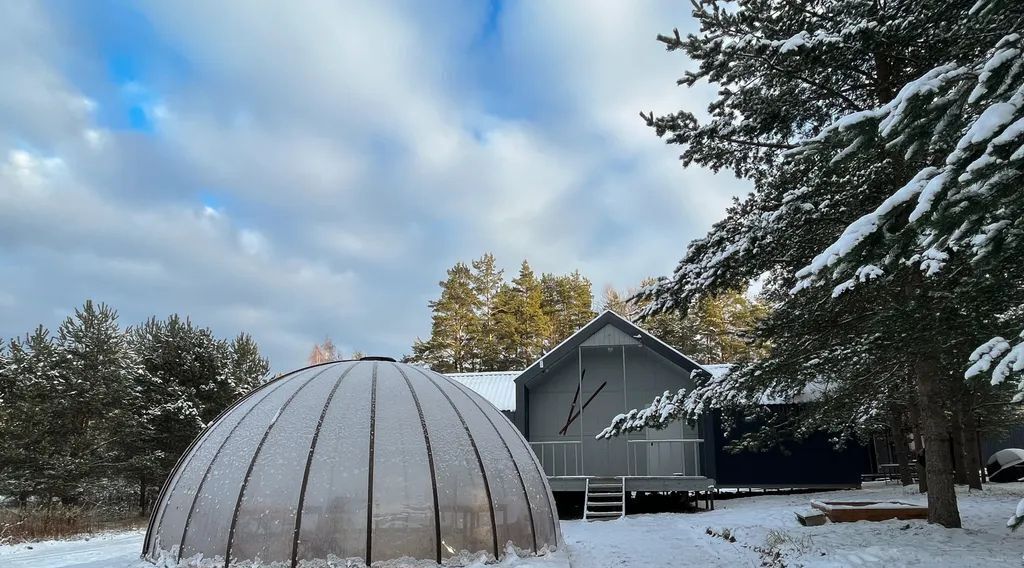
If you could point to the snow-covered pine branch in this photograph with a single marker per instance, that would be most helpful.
(964, 125)
(976, 180)
(1002, 359)
(663, 410)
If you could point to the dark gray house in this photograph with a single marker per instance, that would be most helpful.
(565, 398)
(610, 366)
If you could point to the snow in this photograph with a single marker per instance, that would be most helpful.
(857, 505)
(110, 550)
(762, 526)
(794, 43)
(866, 226)
(988, 125)
(764, 522)
(1010, 360)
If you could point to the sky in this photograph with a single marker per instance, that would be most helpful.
(303, 169)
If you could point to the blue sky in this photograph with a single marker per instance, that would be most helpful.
(304, 169)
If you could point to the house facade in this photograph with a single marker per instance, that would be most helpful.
(610, 366)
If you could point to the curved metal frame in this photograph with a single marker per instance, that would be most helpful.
(267, 389)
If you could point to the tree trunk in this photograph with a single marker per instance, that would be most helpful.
(957, 435)
(142, 495)
(922, 476)
(942, 507)
(899, 441)
(973, 458)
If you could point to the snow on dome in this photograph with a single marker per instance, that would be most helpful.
(367, 460)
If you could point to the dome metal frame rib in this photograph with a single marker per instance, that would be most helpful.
(252, 464)
(430, 463)
(479, 461)
(309, 463)
(186, 457)
(519, 474)
(154, 534)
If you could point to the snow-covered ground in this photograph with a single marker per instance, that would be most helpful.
(761, 524)
(109, 550)
(764, 528)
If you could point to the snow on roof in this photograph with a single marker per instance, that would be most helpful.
(498, 387)
(718, 370)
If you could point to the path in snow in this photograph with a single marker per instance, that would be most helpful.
(760, 525)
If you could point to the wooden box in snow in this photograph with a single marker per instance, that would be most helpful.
(850, 511)
(810, 518)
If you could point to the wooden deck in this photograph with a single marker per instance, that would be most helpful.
(636, 483)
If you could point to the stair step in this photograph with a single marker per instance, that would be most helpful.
(615, 494)
(606, 504)
(605, 486)
(604, 514)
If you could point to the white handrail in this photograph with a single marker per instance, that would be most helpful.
(550, 464)
(662, 440)
(658, 461)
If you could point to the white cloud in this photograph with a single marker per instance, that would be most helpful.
(355, 151)
(252, 242)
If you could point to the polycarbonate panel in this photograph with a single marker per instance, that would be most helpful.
(511, 513)
(544, 513)
(334, 510)
(403, 503)
(541, 500)
(207, 532)
(170, 523)
(265, 526)
(461, 494)
(319, 480)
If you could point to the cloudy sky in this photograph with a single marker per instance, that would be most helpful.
(299, 169)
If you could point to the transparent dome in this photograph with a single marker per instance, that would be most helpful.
(370, 459)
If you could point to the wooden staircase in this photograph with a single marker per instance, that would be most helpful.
(604, 499)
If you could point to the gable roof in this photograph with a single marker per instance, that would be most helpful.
(498, 387)
(608, 317)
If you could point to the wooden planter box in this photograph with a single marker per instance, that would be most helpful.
(851, 511)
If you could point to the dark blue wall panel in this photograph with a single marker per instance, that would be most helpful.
(811, 461)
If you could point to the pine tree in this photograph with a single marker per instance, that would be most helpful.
(487, 282)
(102, 398)
(31, 430)
(567, 302)
(192, 376)
(716, 329)
(96, 406)
(481, 323)
(579, 303)
(522, 326)
(247, 367)
(454, 327)
(786, 72)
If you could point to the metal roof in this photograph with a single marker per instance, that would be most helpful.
(498, 387)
